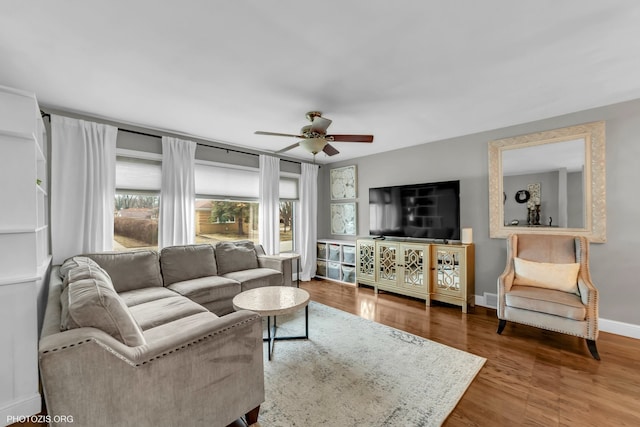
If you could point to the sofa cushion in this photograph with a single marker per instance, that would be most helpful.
(140, 296)
(561, 277)
(549, 301)
(187, 262)
(158, 312)
(177, 327)
(235, 256)
(93, 302)
(132, 269)
(204, 290)
(256, 278)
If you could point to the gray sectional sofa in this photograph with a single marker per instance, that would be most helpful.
(147, 339)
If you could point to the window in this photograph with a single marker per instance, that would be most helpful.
(137, 202)
(135, 224)
(288, 198)
(227, 207)
(223, 220)
(226, 202)
(286, 225)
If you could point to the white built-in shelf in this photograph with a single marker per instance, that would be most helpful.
(24, 245)
(336, 260)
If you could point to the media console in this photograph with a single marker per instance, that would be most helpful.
(424, 270)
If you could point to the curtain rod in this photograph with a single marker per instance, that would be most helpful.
(202, 144)
(198, 143)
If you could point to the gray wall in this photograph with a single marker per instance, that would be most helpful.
(465, 158)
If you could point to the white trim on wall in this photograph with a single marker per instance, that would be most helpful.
(619, 328)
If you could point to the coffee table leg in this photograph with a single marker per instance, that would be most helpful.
(269, 336)
(273, 339)
(271, 333)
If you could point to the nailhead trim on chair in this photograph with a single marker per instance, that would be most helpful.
(545, 328)
(592, 301)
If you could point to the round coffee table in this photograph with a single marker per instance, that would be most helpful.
(271, 301)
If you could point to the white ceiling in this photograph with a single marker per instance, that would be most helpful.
(407, 72)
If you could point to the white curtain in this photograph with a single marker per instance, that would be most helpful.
(307, 226)
(269, 216)
(83, 169)
(176, 225)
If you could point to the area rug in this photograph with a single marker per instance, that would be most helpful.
(355, 372)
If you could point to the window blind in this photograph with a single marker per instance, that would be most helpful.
(138, 174)
(237, 183)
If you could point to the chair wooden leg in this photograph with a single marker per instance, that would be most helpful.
(591, 344)
(501, 325)
(252, 415)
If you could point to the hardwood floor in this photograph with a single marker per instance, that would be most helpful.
(532, 377)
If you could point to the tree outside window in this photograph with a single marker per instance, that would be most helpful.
(225, 220)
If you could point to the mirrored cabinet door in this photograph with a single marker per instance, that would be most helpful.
(453, 272)
(365, 268)
(387, 263)
(447, 270)
(414, 259)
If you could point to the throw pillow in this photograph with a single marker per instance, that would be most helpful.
(73, 262)
(91, 301)
(561, 277)
(85, 268)
(231, 257)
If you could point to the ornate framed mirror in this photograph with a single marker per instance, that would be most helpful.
(562, 171)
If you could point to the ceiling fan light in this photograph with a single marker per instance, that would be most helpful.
(313, 145)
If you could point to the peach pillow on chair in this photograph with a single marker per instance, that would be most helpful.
(561, 277)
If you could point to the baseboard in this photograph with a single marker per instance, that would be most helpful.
(605, 325)
(619, 328)
(483, 300)
(19, 410)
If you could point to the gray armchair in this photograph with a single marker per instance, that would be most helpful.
(533, 302)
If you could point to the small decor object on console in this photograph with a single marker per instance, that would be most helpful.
(522, 196)
(467, 235)
(534, 192)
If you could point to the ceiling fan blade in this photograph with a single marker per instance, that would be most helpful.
(351, 138)
(259, 132)
(330, 150)
(292, 146)
(320, 125)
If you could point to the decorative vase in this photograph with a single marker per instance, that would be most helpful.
(530, 216)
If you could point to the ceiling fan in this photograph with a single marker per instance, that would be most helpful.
(314, 136)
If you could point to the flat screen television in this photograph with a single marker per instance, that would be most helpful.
(428, 211)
